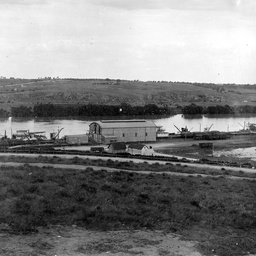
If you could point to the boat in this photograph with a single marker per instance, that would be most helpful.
(161, 133)
(252, 127)
(184, 132)
(27, 135)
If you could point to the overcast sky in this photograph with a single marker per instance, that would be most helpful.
(171, 40)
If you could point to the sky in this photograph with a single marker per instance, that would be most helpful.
(211, 41)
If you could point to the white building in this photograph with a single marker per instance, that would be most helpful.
(108, 131)
(140, 149)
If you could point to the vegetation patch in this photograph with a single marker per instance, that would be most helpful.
(222, 209)
(130, 165)
(26, 97)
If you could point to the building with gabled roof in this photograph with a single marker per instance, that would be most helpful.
(140, 149)
(107, 131)
(117, 147)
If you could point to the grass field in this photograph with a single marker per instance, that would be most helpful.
(15, 92)
(219, 213)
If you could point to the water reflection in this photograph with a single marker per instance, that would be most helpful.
(239, 153)
(81, 126)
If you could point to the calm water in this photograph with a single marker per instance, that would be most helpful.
(239, 153)
(72, 126)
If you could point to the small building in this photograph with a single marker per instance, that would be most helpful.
(77, 139)
(108, 131)
(97, 149)
(117, 148)
(140, 149)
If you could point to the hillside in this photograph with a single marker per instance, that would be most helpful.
(15, 92)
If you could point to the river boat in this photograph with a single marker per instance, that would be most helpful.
(161, 133)
(30, 136)
(247, 128)
(184, 132)
(252, 127)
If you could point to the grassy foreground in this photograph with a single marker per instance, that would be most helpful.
(219, 213)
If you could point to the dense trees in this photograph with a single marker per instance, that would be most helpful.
(213, 110)
(124, 109)
(50, 110)
(194, 109)
(4, 113)
(246, 109)
(22, 111)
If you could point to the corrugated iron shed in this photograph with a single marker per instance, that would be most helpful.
(125, 123)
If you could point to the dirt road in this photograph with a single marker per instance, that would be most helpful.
(196, 165)
(109, 169)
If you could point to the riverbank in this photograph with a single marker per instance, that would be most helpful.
(190, 148)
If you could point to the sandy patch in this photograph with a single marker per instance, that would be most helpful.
(74, 241)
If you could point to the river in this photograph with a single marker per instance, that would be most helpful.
(79, 126)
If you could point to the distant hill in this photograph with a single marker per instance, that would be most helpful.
(15, 92)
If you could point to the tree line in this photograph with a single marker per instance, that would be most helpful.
(90, 110)
(194, 109)
(124, 109)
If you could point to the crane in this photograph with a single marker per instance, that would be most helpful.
(207, 129)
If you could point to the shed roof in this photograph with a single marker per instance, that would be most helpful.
(136, 146)
(76, 135)
(118, 145)
(124, 123)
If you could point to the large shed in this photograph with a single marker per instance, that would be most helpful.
(108, 131)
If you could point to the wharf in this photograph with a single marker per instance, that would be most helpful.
(210, 135)
(242, 133)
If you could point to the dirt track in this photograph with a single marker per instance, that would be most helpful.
(197, 165)
(74, 241)
(98, 168)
